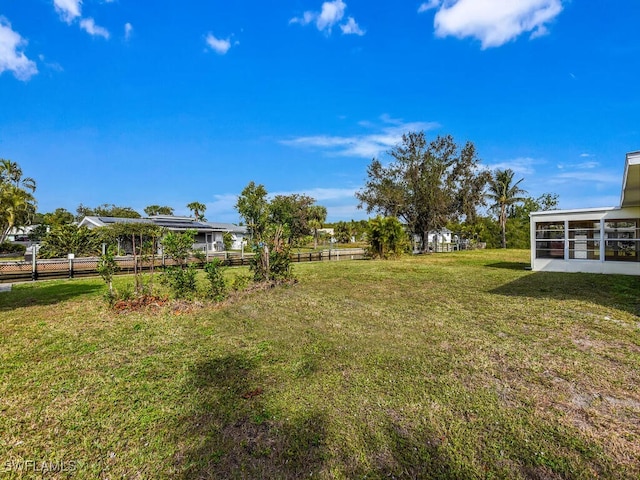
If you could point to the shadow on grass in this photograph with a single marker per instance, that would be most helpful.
(49, 294)
(617, 291)
(510, 265)
(233, 432)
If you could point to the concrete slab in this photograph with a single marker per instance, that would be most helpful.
(5, 287)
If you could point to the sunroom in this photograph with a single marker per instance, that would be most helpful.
(598, 240)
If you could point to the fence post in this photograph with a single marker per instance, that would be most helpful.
(71, 256)
(34, 264)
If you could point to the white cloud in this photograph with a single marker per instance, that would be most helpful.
(431, 4)
(128, 31)
(586, 165)
(12, 58)
(363, 146)
(69, 10)
(330, 14)
(351, 28)
(89, 26)
(220, 46)
(520, 165)
(494, 22)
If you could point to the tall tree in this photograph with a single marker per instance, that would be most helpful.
(197, 209)
(425, 184)
(317, 215)
(253, 207)
(503, 192)
(17, 203)
(291, 210)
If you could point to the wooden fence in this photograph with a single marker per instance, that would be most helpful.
(20, 271)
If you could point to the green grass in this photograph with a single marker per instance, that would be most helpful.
(458, 365)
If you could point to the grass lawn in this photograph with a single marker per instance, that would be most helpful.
(459, 365)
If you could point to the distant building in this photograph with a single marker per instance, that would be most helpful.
(209, 235)
(597, 240)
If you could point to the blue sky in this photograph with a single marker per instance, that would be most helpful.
(138, 103)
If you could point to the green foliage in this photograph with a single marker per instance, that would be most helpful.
(293, 211)
(106, 210)
(178, 245)
(272, 258)
(227, 240)
(426, 184)
(317, 215)
(504, 193)
(158, 210)
(517, 225)
(198, 210)
(253, 207)
(240, 282)
(181, 281)
(7, 247)
(17, 203)
(214, 272)
(107, 267)
(70, 238)
(387, 238)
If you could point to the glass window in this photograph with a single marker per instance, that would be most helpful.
(622, 240)
(550, 240)
(584, 240)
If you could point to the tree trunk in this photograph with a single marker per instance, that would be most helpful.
(425, 241)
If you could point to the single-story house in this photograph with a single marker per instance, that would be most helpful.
(209, 235)
(596, 240)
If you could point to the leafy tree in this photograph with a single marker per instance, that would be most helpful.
(60, 216)
(42, 222)
(106, 210)
(17, 203)
(317, 216)
(143, 238)
(272, 260)
(425, 184)
(70, 238)
(179, 245)
(504, 193)
(107, 267)
(342, 232)
(158, 210)
(518, 235)
(253, 207)
(387, 237)
(227, 240)
(293, 211)
(198, 210)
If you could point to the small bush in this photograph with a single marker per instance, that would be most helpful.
(16, 248)
(241, 282)
(181, 281)
(214, 272)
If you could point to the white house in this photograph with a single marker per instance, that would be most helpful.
(209, 235)
(596, 240)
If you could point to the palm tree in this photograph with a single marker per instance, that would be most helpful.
(316, 215)
(198, 209)
(17, 203)
(503, 192)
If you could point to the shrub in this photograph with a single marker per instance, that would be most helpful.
(214, 272)
(181, 281)
(7, 247)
